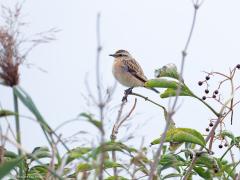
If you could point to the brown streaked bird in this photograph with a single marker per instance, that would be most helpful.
(127, 71)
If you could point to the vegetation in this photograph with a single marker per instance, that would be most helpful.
(178, 152)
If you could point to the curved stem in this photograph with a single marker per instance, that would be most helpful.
(206, 104)
(149, 100)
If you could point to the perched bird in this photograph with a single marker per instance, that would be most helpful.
(127, 71)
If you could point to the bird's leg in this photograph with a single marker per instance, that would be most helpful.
(126, 93)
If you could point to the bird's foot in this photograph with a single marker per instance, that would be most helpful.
(126, 93)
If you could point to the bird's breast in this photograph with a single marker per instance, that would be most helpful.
(120, 72)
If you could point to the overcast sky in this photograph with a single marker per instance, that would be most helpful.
(154, 32)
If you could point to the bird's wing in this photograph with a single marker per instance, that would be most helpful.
(135, 69)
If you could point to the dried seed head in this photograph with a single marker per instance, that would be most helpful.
(9, 59)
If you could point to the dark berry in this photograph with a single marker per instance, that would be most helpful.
(238, 66)
(207, 78)
(220, 146)
(206, 91)
(207, 129)
(214, 96)
(211, 124)
(204, 98)
(216, 92)
(191, 156)
(200, 83)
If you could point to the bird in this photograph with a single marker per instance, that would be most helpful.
(128, 71)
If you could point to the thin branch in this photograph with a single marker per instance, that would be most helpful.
(116, 127)
(169, 115)
(101, 104)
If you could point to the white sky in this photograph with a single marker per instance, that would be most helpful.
(153, 31)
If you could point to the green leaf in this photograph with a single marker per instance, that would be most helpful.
(87, 167)
(28, 102)
(37, 172)
(162, 83)
(40, 152)
(173, 92)
(208, 161)
(6, 167)
(112, 146)
(181, 135)
(77, 153)
(93, 121)
(171, 160)
(169, 70)
(172, 175)
(10, 154)
(203, 172)
(4, 113)
(116, 178)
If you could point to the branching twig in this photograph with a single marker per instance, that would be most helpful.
(116, 127)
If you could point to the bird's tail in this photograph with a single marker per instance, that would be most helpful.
(156, 91)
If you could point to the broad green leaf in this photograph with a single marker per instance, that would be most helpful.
(4, 113)
(203, 172)
(172, 175)
(77, 153)
(169, 70)
(93, 121)
(7, 166)
(181, 135)
(171, 161)
(207, 161)
(162, 83)
(173, 92)
(40, 152)
(112, 146)
(87, 167)
(116, 178)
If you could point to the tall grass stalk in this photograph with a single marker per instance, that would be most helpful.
(18, 131)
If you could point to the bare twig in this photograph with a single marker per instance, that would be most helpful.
(116, 127)
(101, 104)
(173, 107)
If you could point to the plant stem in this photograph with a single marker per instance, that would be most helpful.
(206, 104)
(18, 132)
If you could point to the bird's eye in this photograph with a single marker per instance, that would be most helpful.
(120, 55)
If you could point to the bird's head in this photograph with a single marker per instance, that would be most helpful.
(121, 53)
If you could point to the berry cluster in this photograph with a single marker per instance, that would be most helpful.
(206, 91)
(223, 141)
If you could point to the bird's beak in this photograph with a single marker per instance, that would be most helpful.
(113, 55)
